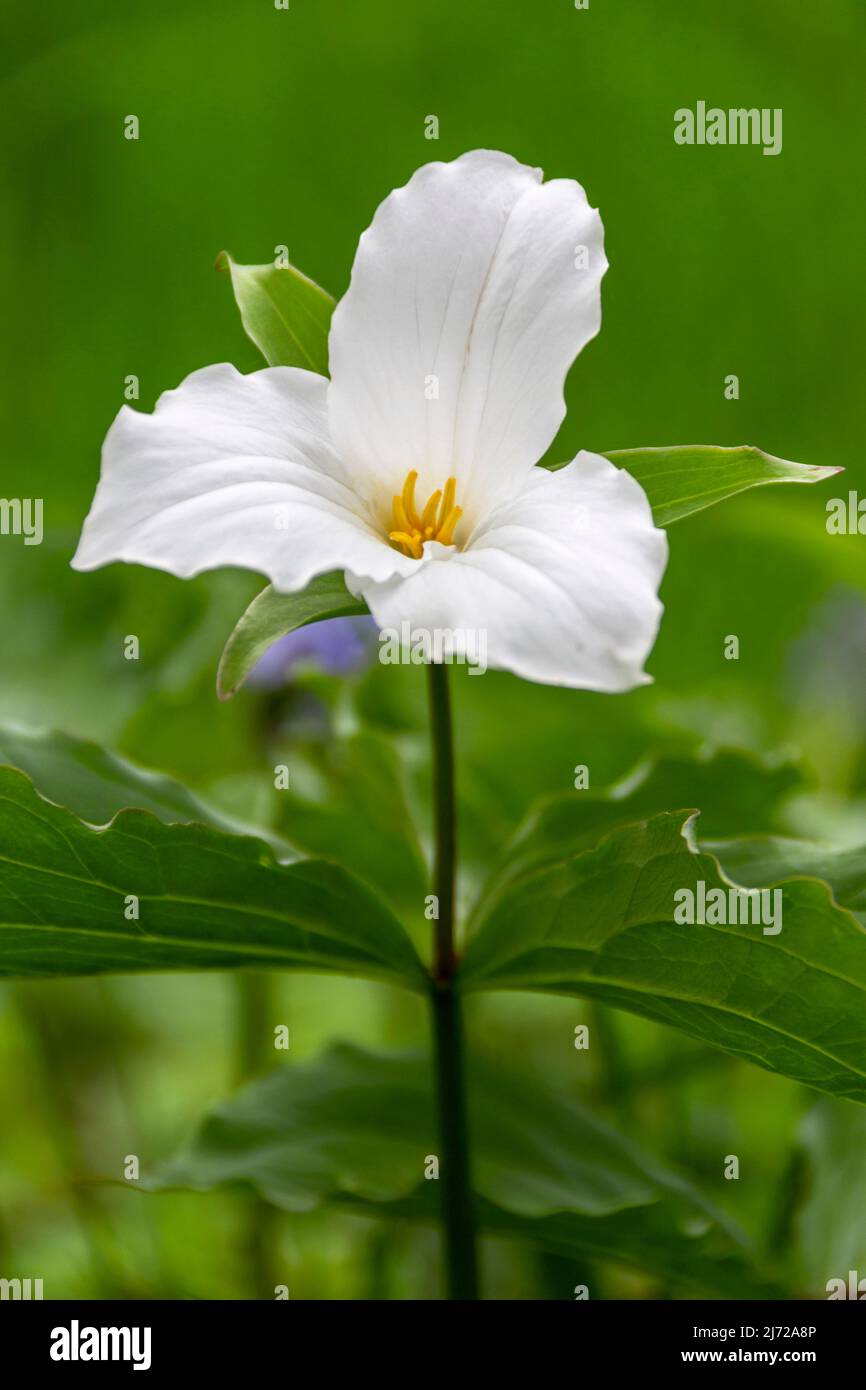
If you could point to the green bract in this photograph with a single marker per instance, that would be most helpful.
(285, 314)
(272, 615)
(688, 478)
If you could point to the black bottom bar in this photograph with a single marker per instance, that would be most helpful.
(83, 1338)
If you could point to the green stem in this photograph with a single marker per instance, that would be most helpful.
(255, 1002)
(456, 1187)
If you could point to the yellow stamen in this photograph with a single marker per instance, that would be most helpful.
(448, 497)
(410, 545)
(437, 521)
(401, 520)
(428, 516)
(446, 530)
(409, 497)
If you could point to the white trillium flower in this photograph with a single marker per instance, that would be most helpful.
(413, 469)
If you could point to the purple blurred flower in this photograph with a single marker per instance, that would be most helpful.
(337, 646)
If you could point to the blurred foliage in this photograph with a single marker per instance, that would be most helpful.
(262, 127)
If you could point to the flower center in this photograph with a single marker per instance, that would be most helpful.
(435, 522)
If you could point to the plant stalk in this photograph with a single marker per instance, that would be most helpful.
(255, 1003)
(456, 1188)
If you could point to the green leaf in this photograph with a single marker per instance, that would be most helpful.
(206, 900)
(686, 478)
(734, 791)
(354, 1129)
(96, 784)
(645, 1237)
(602, 925)
(760, 861)
(271, 615)
(286, 314)
(831, 1224)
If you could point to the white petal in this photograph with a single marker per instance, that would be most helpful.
(562, 581)
(232, 470)
(466, 283)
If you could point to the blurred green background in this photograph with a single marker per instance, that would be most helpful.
(261, 127)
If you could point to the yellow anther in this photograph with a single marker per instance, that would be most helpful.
(437, 521)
